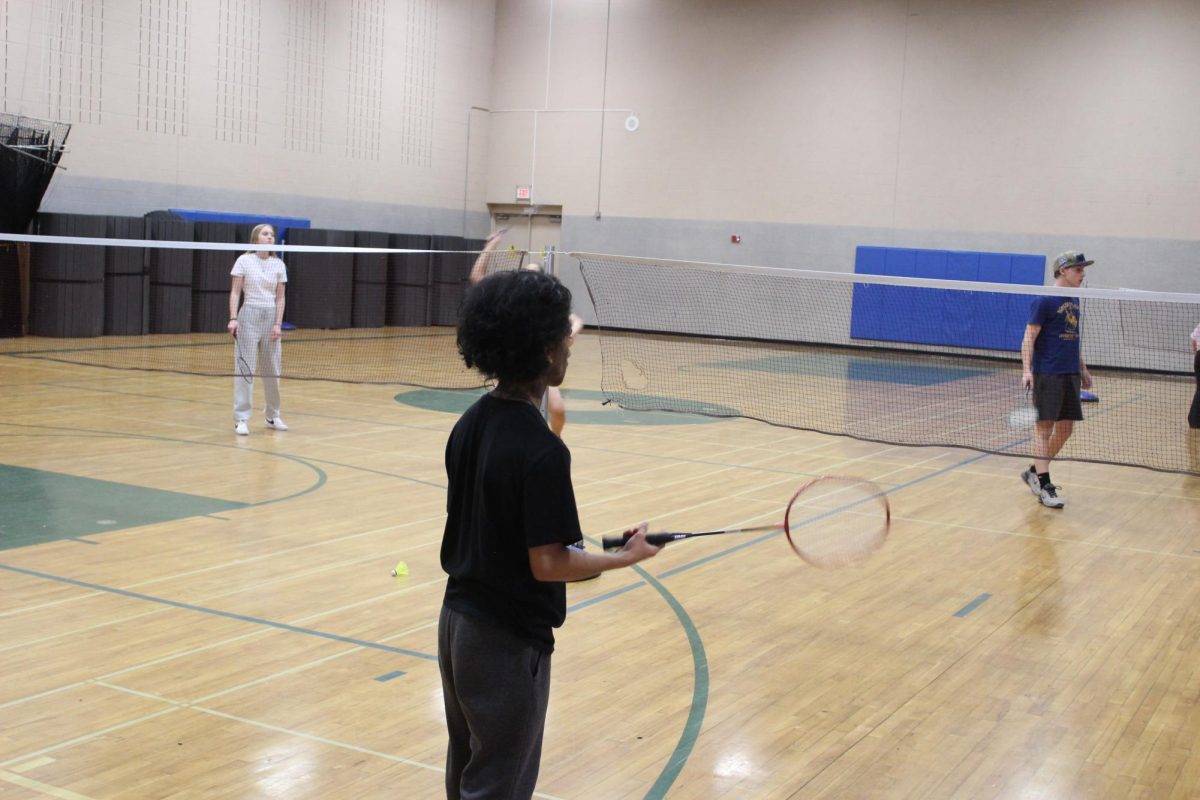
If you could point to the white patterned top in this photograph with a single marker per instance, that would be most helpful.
(261, 276)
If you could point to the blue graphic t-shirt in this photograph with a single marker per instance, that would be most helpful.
(1056, 349)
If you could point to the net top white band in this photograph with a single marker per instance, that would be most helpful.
(1136, 295)
(236, 246)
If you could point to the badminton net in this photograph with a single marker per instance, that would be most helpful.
(143, 295)
(886, 359)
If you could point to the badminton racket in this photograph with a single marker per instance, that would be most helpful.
(830, 522)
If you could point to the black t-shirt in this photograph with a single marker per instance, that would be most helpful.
(510, 490)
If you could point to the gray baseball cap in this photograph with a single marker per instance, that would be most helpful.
(1070, 258)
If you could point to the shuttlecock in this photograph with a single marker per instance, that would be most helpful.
(400, 569)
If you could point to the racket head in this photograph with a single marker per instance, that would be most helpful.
(836, 521)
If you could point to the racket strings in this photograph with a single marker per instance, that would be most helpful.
(838, 522)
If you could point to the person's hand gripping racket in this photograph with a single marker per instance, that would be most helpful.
(634, 546)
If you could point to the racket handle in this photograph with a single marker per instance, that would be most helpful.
(617, 542)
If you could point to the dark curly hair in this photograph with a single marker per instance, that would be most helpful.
(509, 319)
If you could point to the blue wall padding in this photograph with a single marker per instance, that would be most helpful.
(988, 320)
(281, 224)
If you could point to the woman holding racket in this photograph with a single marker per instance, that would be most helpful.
(257, 329)
(510, 516)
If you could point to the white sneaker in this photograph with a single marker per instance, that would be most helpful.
(1031, 480)
(277, 423)
(1049, 496)
(240, 428)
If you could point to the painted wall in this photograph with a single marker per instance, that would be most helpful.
(353, 113)
(809, 127)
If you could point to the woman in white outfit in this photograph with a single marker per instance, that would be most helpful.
(256, 328)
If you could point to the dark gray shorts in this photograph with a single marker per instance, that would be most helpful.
(1057, 397)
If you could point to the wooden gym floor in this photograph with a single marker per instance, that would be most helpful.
(190, 614)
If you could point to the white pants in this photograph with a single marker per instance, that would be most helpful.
(254, 339)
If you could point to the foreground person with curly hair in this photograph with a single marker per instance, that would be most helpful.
(511, 515)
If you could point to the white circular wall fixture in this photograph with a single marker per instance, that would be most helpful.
(632, 123)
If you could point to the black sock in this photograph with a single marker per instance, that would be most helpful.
(1044, 479)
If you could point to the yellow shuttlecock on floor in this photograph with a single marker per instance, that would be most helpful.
(400, 569)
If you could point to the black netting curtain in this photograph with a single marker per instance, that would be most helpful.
(30, 150)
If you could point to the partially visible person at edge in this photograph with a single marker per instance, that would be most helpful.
(1053, 368)
(511, 514)
(1194, 414)
(257, 329)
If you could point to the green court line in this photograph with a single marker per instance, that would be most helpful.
(700, 685)
(24, 494)
(853, 368)
(42, 506)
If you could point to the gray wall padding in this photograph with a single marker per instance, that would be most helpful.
(408, 281)
(320, 285)
(370, 281)
(66, 291)
(170, 275)
(126, 280)
(210, 275)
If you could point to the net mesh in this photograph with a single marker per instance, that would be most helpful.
(361, 315)
(30, 150)
(858, 355)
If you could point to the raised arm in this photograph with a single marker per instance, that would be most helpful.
(479, 268)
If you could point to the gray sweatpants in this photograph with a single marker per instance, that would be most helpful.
(496, 689)
(254, 341)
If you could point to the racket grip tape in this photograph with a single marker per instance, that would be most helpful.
(617, 542)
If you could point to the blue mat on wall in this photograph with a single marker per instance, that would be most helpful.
(990, 320)
(281, 224)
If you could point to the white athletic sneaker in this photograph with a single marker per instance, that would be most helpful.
(1031, 480)
(240, 428)
(1049, 496)
(277, 423)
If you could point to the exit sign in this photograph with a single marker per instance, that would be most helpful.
(524, 192)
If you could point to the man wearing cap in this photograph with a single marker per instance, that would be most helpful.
(1054, 369)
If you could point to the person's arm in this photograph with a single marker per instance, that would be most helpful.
(1196, 340)
(557, 562)
(479, 268)
(576, 325)
(1085, 377)
(235, 292)
(277, 331)
(1031, 334)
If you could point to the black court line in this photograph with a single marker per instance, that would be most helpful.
(223, 342)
